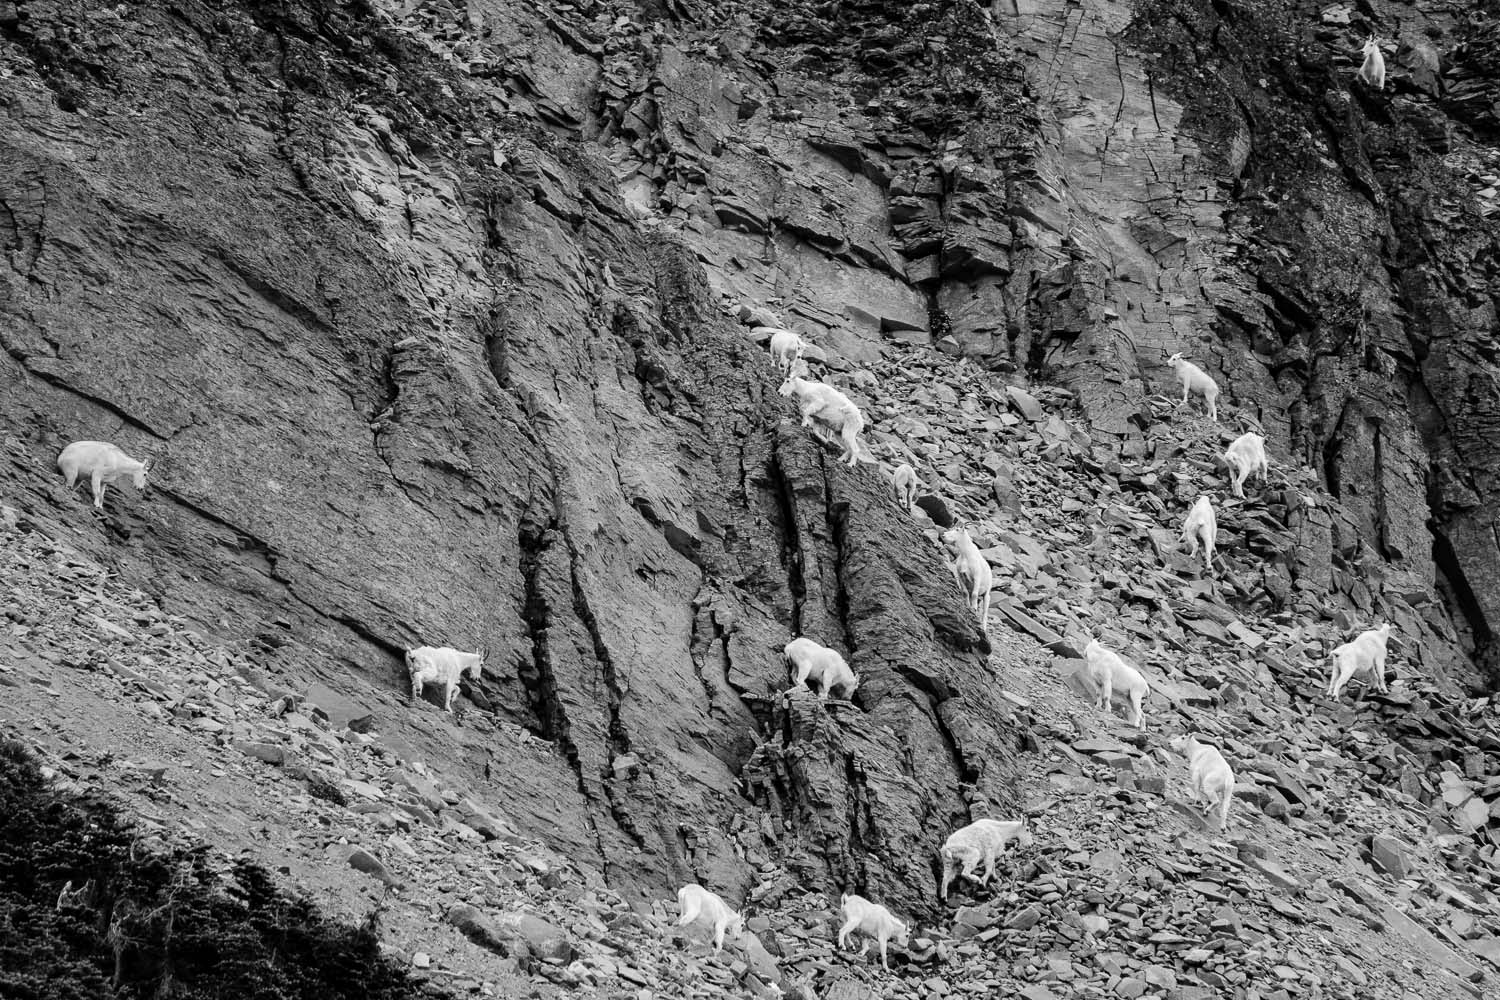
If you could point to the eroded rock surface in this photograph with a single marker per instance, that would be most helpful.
(409, 375)
(427, 313)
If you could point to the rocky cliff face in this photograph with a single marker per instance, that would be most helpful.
(409, 374)
(421, 309)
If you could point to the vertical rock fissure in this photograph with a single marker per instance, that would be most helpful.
(1331, 449)
(791, 546)
(699, 638)
(1452, 575)
(1382, 510)
(858, 816)
(837, 514)
(539, 682)
(936, 696)
(384, 416)
(619, 737)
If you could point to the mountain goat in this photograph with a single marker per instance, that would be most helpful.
(1246, 455)
(1202, 525)
(1372, 70)
(786, 347)
(694, 901)
(102, 463)
(441, 665)
(904, 483)
(1209, 773)
(872, 920)
(1196, 380)
(819, 663)
(829, 406)
(972, 572)
(1110, 673)
(1365, 653)
(982, 840)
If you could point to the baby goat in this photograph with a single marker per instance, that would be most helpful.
(1365, 653)
(972, 572)
(1202, 525)
(872, 920)
(694, 901)
(982, 840)
(1209, 773)
(1246, 455)
(441, 665)
(1372, 70)
(102, 463)
(830, 407)
(786, 347)
(904, 482)
(814, 662)
(1110, 673)
(1196, 380)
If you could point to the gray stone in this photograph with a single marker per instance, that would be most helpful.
(362, 860)
(271, 753)
(1026, 403)
(1390, 855)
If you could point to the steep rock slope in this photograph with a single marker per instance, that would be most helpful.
(1359, 860)
(415, 372)
(408, 375)
(1082, 190)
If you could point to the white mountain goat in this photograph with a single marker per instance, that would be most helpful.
(972, 572)
(1372, 70)
(1110, 673)
(904, 483)
(829, 406)
(982, 840)
(1202, 526)
(871, 920)
(1209, 773)
(786, 348)
(1364, 654)
(694, 901)
(1196, 380)
(1244, 456)
(102, 463)
(440, 665)
(814, 662)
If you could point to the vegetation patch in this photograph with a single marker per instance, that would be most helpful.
(88, 910)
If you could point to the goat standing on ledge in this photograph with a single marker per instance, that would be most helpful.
(1196, 380)
(102, 463)
(441, 665)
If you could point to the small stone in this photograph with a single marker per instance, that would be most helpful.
(1038, 992)
(1277, 874)
(362, 860)
(268, 752)
(1026, 403)
(1390, 856)
(1025, 919)
(477, 927)
(542, 939)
